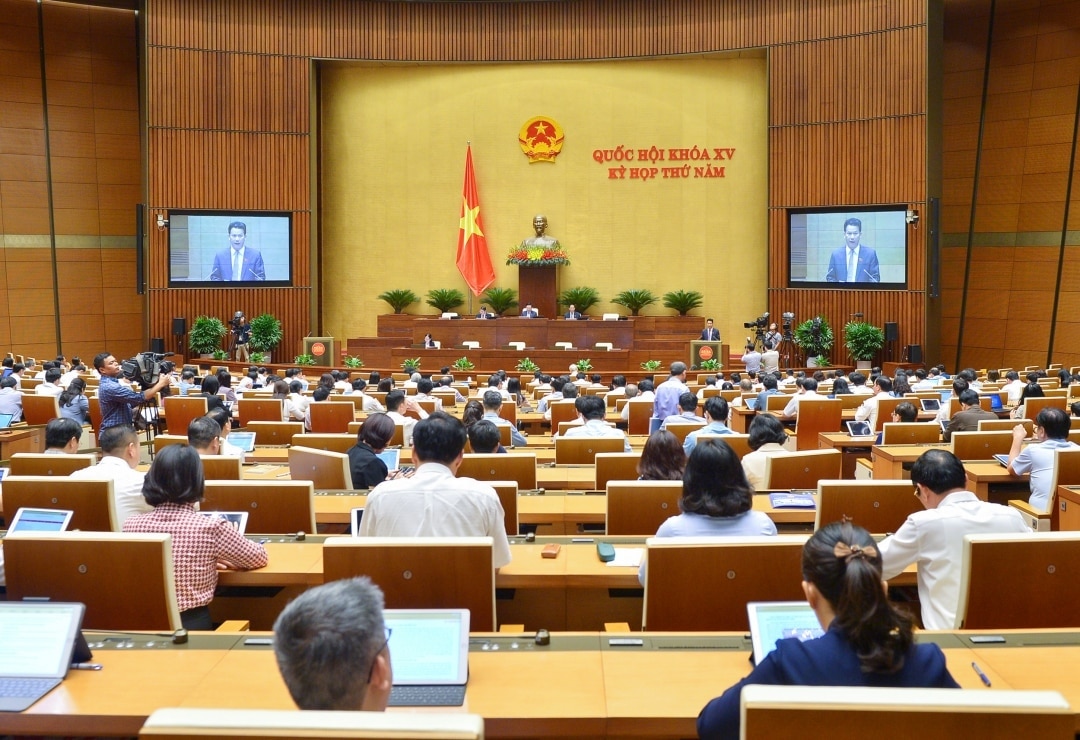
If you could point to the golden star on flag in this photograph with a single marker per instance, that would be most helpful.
(469, 218)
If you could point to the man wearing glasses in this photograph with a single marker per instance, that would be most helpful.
(1051, 434)
(332, 647)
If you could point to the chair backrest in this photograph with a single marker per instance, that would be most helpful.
(980, 445)
(180, 410)
(849, 400)
(492, 466)
(638, 417)
(816, 416)
(562, 411)
(161, 441)
(91, 500)
(910, 433)
(1006, 425)
(639, 507)
(508, 493)
(221, 467)
(801, 469)
(681, 430)
(264, 724)
(739, 443)
(38, 463)
(1066, 472)
(421, 572)
(331, 417)
(704, 583)
(777, 401)
(1020, 581)
(931, 714)
(878, 506)
(125, 580)
(94, 407)
(886, 404)
(274, 432)
(326, 470)
(273, 507)
(582, 450)
(615, 466)
(1032, 406)
(260, 409)
(331, 442)
(508, 411)
(39, 410)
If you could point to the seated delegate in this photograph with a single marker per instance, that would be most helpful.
(867, 641)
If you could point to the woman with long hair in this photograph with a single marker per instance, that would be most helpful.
(1031, 390)
(867, 640)
(73, 402)
(662, 458)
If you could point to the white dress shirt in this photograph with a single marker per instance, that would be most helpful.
(127, 485)
(598, 428)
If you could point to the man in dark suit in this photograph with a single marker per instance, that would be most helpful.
(529, 312)
(238, 262)
(853, 262)
(968, 417)
(485, 314)
(572, 314)
(710, 333)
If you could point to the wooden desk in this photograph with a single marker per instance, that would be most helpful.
(851, 449)
(29, 439)
(984, 474)
(741, 417)
(1069, 508)
(888, 460)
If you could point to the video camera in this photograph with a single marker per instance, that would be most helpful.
(759, 323)
(237, 320)
(145, 368)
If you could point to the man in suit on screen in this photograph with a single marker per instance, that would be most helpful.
(238, 262)
(853, 262)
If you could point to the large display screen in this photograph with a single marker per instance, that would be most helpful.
(858, 247)
(229, 249)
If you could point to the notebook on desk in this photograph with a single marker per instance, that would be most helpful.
(37, 640)
(429, 654)
(777, 620)
(40, 520)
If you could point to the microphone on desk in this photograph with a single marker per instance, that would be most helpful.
(870, 275)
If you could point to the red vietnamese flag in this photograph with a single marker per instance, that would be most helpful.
(473, 259)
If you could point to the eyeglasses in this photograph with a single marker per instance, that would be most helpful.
(371, 671)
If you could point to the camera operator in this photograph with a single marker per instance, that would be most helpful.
(117, 401)
(241, 330)
(772, 337)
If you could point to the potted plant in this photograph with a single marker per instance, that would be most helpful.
(815, 337)
(266, 335)
(651, 365)
(352, 361)
(206, 334)
(258, 358)
(525, 365)
(463, 363)
(304, 359)
(411, 364)
(220, 355)
(683, 301)
(399, 299)
(635, 299)
(862, 341)
(446, 300)
(581, 298)
(500, 300)
(710, 365)
(583, 366)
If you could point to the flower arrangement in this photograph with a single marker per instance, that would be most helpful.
(537, 256)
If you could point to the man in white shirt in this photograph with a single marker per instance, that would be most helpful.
(868, 411)
(433, 502)
(858, 385)
(934, 539)
(397, 403)
(51, 386)
(809, 390)
(1015, 387)
(423, 393)
(591, 410)
(62, 436)
(204, 434)
(370, 405)
(119, 458)
(1051, 434)
(716, 412)
(640, 393)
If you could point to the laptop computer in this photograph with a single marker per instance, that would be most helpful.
(946, 395)
(354, 520)
(777, 620)
(5, 420)
(238, 519)
(392, 458)
(37, 640)
(751, 403)
(244, 440)
(930, 404)
(858, 428)
(429, 653)
(1003, 459)
(995, 402)
(40, 520)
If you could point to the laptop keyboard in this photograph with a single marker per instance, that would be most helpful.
(20, 687)
(427, 696)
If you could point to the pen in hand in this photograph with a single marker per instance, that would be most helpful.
(982, 676)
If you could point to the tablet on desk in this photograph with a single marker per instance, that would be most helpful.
(244, 440)
(238, 519)
(5, 420)
(858, 428)
(40, 520)
(778, 620)
(930, 404)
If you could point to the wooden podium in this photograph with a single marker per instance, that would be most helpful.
(706, 350)
(323, 349)
(540, 287)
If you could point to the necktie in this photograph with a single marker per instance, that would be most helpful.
(851, 266)
(236, 265)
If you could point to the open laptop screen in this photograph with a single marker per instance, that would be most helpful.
(5, 420)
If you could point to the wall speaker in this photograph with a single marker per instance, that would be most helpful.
(913, 352)
(892, 331)
(157, 344)
(179, 326)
